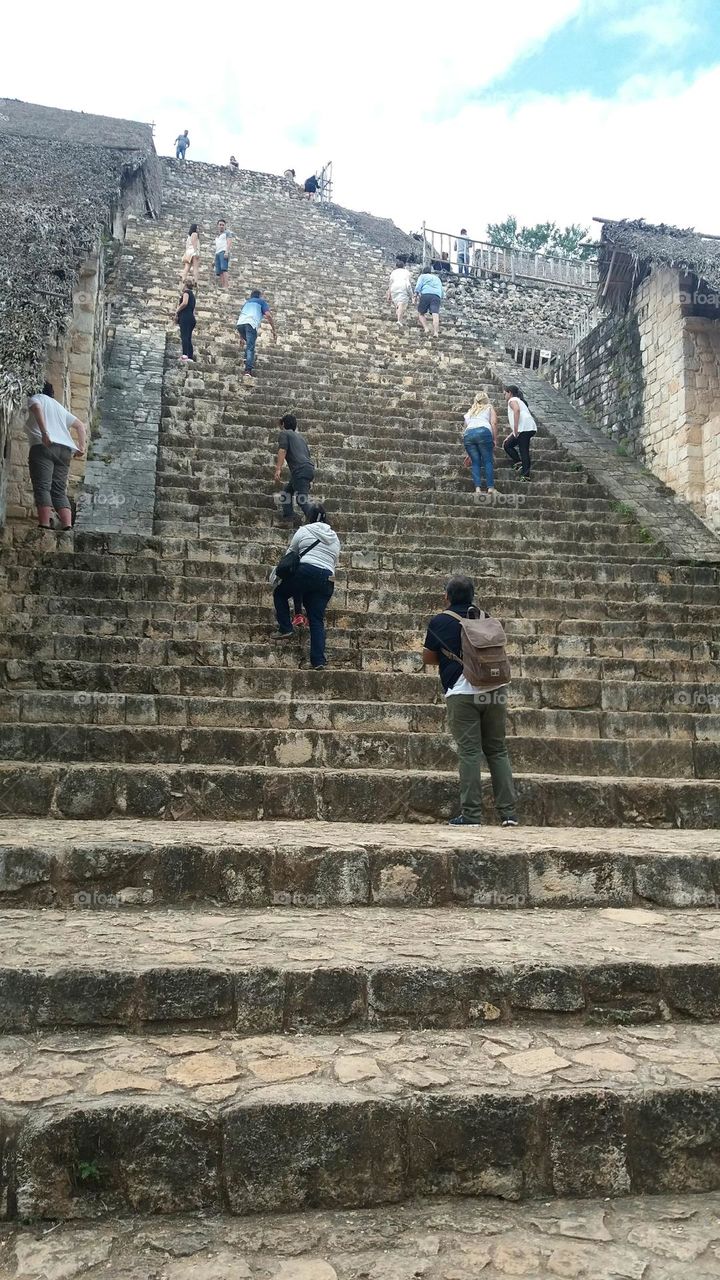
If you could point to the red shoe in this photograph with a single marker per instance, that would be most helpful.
(299, 620)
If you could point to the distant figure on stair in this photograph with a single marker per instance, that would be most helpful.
(462, 245)
(522, 429)
(52, 449)
(289, 174)
(222, 253)
(429, 294)
(255, 310)
(313, 584)
(185, 316)
(400, 289)
(182, 142)
(311, 187)
(479, 439)
(234, 164)
(293, 450)
(191, 256)
(476, 715)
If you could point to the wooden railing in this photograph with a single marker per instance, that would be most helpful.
(485, 259)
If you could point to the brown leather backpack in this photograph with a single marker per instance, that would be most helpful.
(485, 662)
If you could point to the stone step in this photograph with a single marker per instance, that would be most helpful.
(179, 791)
(264, 971)
(181, 1123)
(127, 863)
(525, 717)
(440, 1238)
(606, 683)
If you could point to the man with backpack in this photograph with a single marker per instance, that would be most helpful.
(469, 648)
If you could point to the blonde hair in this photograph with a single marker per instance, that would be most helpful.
(481, 401)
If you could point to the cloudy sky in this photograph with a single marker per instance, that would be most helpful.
(460, 114)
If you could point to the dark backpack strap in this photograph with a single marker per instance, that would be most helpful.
(304, 553)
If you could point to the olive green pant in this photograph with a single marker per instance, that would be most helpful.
(477, 723)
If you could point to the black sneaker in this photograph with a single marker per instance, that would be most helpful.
(509, 822)
(461, 821)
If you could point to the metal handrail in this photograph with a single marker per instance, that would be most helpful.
(488, 260)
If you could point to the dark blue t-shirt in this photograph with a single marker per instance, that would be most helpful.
(445, 633)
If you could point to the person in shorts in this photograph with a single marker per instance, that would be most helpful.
(400, 289)
(222, 253)
(52, 449)
(429, 294)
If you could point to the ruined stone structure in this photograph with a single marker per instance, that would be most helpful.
(67, 184)
(246, 967)
(649, 374)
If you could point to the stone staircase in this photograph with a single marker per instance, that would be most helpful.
(242, 971)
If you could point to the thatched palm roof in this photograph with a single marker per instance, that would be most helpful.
(628, 250)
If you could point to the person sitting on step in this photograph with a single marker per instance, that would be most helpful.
(319, 548)
(479, 439)
(476, 717)
(522, 429)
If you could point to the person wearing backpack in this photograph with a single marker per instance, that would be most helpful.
(469, 649)
(307, 573)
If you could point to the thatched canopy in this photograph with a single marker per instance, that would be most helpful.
(57, 195)
(628, 250)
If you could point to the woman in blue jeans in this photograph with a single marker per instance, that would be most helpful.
(312, 586)
(479, 439)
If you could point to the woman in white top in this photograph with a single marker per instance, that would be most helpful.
(479, 439)
(522, 429)
(191, 256)
(313, 584)
(400, 289)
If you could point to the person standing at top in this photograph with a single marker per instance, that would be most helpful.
(52, 449)
(429, 293)
(185, 316)
(293, 449)
(222, 253)
(255, 310)
(191, 256)
(182, 142)
(475, 713)
(311, 187)
(400, 289)
(522, 429)
(462, 244)
(479, 439)
(313, 583)
(234, 164)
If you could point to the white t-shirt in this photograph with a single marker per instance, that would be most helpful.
(400, 281)
(221, 242)
(480, 420)
(526, 422)
(58, 420)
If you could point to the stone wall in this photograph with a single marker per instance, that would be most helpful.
(650, 380)
(518, 313)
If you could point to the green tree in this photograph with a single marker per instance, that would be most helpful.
(542, 237)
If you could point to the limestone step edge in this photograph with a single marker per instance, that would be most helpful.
(108, 1125)
(95, 864)
(462, 1238)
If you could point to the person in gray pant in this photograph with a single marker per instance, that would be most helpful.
(293, 450)
(52, 449)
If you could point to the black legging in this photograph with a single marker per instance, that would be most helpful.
(517, 449)
(187, 323)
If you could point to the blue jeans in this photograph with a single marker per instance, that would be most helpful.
(311, 587)
(479, 443)
(249, 333)
(180, 152)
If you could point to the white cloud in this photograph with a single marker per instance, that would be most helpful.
(399, 98)
(662, 25)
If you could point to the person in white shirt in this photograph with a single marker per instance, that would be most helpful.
(522, 429)
(51, 450)
(312, 585)
(479, 439)
(400, 289)
(222, 253)
(462, 245)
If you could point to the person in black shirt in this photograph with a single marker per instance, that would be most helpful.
(185, 316)
(311, 187)
(476, 717)
(292, 448)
